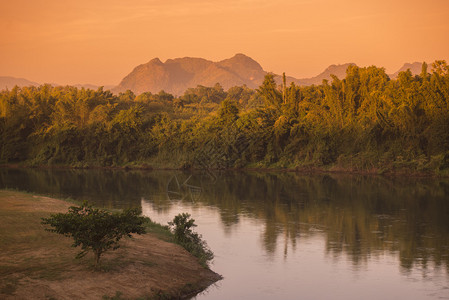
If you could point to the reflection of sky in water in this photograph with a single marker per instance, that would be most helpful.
(307, 272)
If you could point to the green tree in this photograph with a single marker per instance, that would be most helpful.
(96, 229)
(127, 96)
(270, 92)
(440, 67)
(228, 111)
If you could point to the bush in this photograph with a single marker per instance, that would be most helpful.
(96, 229)
(182, 228)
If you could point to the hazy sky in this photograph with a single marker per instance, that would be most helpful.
(101, 41)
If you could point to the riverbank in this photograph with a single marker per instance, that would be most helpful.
(36, 264)
(396, 169)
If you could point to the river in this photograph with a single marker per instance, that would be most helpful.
(287, 235)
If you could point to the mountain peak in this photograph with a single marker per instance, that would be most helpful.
(415, 68)
(156, 61)
(246, 68)
(242, 59)
(338, 68)
(241, 56)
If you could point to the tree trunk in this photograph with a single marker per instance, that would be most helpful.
(97, 257)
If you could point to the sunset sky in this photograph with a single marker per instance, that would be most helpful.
(101, 41)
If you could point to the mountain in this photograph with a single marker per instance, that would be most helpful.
(415, 68)
(176, 75)
(246, 68)
(7, 82)
(337, 70)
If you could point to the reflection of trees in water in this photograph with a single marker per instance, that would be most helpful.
(360, 216)
(106, 188)
(185, 187)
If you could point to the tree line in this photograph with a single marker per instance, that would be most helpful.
(365, 122)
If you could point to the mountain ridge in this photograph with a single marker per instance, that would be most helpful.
(178, 74)
(9, 82)
(415, 68)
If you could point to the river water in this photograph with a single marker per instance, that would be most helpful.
(287, 235)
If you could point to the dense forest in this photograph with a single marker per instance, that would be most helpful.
(364, 122)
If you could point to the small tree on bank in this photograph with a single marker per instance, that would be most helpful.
(182, 228)
(96, 229)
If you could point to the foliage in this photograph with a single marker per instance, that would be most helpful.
(182, 228)
(365, 121)
(96, 229)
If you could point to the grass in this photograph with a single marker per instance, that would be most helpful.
(32, 258)
(22, 240)
(161, 231)
(27, 250)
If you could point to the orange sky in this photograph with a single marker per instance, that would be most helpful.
(101, 41)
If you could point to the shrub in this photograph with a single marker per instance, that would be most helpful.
(96, 229)
(182, 228)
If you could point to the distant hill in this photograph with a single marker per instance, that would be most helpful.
(176, 75)
(337, 70)
(244, 67)
(7, 82)
(415, 68)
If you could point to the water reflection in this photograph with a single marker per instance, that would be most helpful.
(359, 217)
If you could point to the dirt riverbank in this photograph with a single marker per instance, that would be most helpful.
(36, 264)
